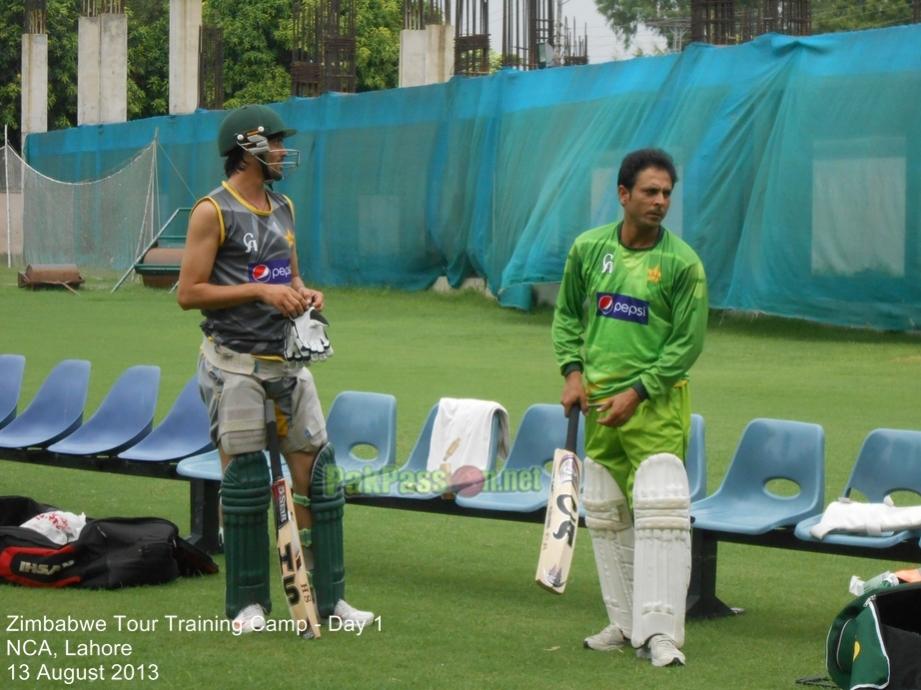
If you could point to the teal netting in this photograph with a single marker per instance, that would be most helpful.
(799, 159)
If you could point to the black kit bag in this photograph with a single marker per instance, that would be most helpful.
(875, 642)
(109, 553)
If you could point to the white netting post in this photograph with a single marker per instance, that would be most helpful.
(6, 195)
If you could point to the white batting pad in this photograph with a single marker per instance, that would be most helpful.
(662, 566)
(607, 517)
(874, 519)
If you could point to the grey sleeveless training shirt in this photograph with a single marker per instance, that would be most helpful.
(256, 247)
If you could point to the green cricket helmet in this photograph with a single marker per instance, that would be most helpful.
(249, 121)
(251, 127)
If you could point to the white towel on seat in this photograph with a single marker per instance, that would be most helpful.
(462, 434)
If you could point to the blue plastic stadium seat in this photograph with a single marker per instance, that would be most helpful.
(55, 411)
(183, 432)
(11, 368)
(889, 460)
(523, 485)
(696, 460)
(400, 482)
(769, 449)
(207, 466)
(124, 417)
(359, 419)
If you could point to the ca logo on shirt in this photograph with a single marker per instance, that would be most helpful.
(249, 241)
(607, 263)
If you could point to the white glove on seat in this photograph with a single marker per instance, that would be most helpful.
(306, 340)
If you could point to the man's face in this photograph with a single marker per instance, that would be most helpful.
(646, 204)
(274, 158)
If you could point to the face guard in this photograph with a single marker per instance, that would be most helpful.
(255, 142)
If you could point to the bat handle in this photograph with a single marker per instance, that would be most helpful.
(572, 430)
(271, 435)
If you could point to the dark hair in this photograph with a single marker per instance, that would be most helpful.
(234, 161)
(636, 162)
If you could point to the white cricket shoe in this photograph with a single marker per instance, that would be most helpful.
(661, 650)
(606, 640)
(349, 613)
(250, 619)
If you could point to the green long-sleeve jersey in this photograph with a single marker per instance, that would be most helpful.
(630, 315)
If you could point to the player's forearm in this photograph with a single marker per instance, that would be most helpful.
(679, 354)
(210, 296)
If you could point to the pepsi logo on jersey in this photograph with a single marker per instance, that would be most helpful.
(613, 305)
(276, 271)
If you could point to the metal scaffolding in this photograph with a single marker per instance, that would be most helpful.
(529, 34)
(723, 22)
(211, 67)
(93, 8)
(35, 15)
(323, 53)
(417, 14)
(575, 47)
(471, 38)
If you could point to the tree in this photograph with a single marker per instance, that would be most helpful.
(62, 58)
(377, 44)
(625, 16)
(257, 53)
(148, 71)
(257, 48)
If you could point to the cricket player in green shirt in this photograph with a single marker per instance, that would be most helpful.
(630, 321)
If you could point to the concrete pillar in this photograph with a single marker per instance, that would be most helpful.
(34, 101)
(426, 55)
(184, 26)
(102, 69)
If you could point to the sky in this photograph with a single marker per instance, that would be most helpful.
(603, 45)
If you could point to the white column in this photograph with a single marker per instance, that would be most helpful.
(34, 100)
(102, 69)
(88, 39)
(426, 55)
(184, 28)
(113, 84)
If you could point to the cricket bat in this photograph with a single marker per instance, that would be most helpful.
(294, 578)
(562, 520)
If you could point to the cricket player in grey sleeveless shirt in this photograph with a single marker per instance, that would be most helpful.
(239, 267)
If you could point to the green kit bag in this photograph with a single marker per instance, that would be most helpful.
(875, 642)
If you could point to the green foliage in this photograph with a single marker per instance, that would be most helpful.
(257, 48)
(845, 15)
(257, 53)
(377, 45)
(625, 16)
(148, 71)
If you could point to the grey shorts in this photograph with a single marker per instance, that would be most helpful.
(236, 406)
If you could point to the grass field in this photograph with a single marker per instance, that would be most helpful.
(456, 603)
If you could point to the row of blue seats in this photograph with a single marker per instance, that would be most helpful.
(769, 450)
(122, 425)
(361, 426)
